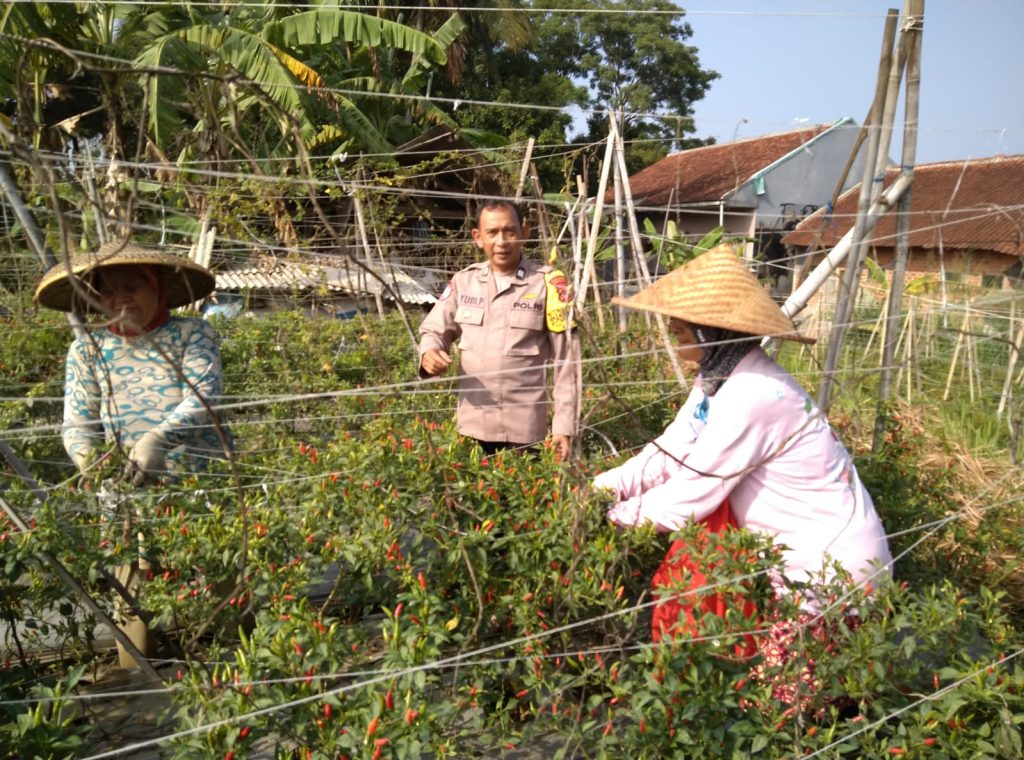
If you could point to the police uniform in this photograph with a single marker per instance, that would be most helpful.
(505, 349)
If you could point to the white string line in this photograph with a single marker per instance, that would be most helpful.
(458, 658)
(389, 390)
(572, 625)
(353, 185)
(925, 698)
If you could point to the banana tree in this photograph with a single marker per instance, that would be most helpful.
(255, 76)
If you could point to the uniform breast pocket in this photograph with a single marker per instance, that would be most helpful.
(470, 323)
(525, 332)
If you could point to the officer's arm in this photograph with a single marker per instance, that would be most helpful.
(437, 333)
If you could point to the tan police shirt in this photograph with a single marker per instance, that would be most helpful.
(505, 350)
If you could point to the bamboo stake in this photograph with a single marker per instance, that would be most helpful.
(620, 255)
(638, 250)
(908, 356)
(525, 168)
(878, 328)
(902, 342)
(586, 273)
(972, 363)
(914, 10)
(361, 225)
(542, 212)
(847, 296)
(1011, 362)
(595, 225)
(956, 352)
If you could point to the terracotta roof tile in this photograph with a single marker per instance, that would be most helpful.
(706, 174)
(975, 204)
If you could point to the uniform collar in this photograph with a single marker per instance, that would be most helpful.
(522, 271)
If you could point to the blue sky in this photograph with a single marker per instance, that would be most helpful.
(786, 61)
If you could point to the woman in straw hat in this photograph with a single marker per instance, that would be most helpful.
(748, 447)
(142, 381)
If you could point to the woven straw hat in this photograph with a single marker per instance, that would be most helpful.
(717, 290)
(184, 280)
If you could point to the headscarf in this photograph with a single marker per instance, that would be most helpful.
(719, 359)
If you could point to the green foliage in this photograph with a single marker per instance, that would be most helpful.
(378, 584)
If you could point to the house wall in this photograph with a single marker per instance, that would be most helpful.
(806, 178)
(695, 224)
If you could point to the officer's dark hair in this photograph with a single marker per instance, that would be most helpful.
(490, 204)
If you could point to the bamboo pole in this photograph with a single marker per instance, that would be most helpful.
(620, 255)
(595, 225)
(956, 351)
(588, 272)
(525, 168)
(879, 327)
(542, 211)
(638, 250)
(913, 20)
(847, 296)
(902, 342)
(908, 357)
(1011, 362)
(972, 361)
(365, 241)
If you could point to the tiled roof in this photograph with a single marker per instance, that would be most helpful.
(276, 275)
(974, 204)
(706, 174)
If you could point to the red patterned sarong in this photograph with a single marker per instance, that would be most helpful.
(679, 572)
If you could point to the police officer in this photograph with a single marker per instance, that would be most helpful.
(509, 316)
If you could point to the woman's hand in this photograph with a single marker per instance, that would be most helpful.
(625, 514)
(147, 458)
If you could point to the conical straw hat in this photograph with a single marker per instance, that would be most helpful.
(717, 290)
(184, 280)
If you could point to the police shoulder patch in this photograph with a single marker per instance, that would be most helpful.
(558, 301)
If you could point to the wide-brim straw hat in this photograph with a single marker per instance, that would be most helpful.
(716, 289)
(184, 280)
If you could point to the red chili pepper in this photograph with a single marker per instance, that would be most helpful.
(372, 728)
(389, 700)
(244, 732)
(422, 581)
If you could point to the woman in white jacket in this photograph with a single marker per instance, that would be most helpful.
(749, 447)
